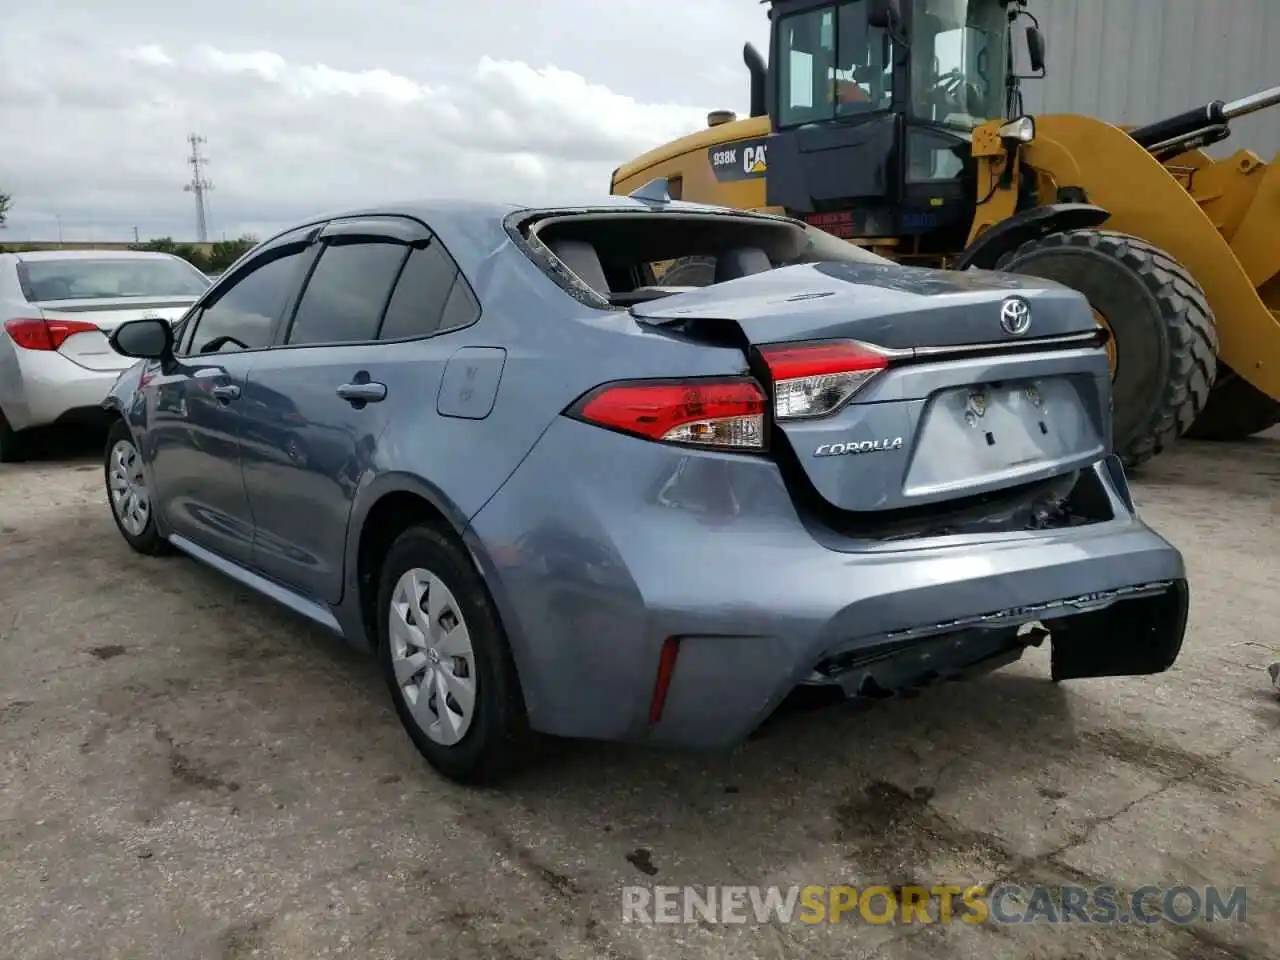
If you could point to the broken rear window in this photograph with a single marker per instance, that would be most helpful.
(616, 258)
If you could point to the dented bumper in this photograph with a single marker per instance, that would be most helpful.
(708, 553)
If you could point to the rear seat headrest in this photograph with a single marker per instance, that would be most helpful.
(741, 262)
(581, 258)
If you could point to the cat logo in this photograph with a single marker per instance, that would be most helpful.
(744, 160)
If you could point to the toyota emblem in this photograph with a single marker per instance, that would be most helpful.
(1015, 316)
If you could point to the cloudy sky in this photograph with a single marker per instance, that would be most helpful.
(309, 105)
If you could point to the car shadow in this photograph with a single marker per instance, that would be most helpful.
(1248, 468)
(70, 444)
(998, 716)
(1006, 718)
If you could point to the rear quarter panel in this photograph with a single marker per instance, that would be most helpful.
(556, 349)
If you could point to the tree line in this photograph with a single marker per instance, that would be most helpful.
(219, 256)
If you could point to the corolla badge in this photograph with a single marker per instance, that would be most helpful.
(858, 446)
(1015, 316)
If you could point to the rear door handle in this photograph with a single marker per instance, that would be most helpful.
(227, 392)
(372, 392)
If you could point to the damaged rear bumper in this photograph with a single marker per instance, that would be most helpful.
(707, 554)
(1128, 631)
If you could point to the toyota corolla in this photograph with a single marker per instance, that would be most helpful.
(555, 495)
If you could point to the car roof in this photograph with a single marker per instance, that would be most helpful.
(430, 209)
(472, 230)
(38, 255)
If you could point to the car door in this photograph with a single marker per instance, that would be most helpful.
(194, 409)
(317, 404)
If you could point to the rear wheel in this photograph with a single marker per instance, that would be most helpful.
(446, 660)
(1165, 341)
(1236, 410)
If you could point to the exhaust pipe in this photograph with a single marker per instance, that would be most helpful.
(759, 80)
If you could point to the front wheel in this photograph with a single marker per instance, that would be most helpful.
(446, 660)
(1164, 337)
(128, 495)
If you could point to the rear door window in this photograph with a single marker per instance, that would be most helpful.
(431, 296)
(345, 297)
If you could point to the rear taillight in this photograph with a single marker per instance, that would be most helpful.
(727, 414)
(815, 379)
(33, 333)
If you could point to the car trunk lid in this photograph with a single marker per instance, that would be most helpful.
(933, 397)
(87, 324)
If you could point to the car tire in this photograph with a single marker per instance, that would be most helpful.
(1165, 338)
(440, 635)
(13, 445)
(1236, 410)
(127, 493)
(689, 272)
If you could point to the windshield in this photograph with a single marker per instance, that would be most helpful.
(832, 64)
(98, 279)
(958, 61)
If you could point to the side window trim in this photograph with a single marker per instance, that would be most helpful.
(189, 324)
(391, 290)
(285, 323)
(378, 229)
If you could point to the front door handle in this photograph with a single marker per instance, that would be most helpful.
(226, 392)
(371, 392)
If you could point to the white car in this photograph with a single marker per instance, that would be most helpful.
(57, 308)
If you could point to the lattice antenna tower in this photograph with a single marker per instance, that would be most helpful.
(198, 186)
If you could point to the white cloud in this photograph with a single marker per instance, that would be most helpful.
(294, 128)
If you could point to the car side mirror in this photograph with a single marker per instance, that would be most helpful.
(147, 339)
(1036, 49)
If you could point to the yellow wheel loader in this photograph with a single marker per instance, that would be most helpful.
(898, 125)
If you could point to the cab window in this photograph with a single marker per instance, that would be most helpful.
(833, 64)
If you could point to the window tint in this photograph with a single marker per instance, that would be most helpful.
(247, 313)
(430, 296)
(346, 293)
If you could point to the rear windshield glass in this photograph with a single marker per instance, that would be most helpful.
(624, 257)
(98, 279)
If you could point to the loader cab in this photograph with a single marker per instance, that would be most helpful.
(872, 106)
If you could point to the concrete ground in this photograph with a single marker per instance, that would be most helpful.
(186, 771)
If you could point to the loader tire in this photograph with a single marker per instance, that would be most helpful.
(1166, 342)
(1236, 410)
